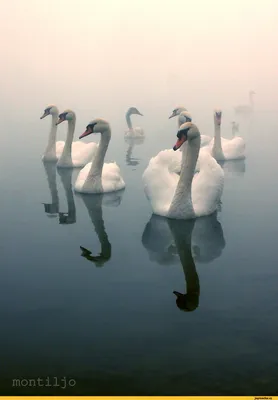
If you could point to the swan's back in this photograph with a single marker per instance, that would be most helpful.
(159, 183)
(207, 186)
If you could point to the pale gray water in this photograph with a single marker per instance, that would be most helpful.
(113, 325)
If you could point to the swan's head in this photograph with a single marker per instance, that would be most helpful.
(133, 110)
(184, 116)
(187, 302)
(98, 125)
(185, 133)
(217, 116)
(177, 111)
(252, 92)
(50, 110)
(67, 115)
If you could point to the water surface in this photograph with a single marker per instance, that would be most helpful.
(87, 281)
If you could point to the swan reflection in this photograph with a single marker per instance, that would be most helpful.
(66, 178)
(94, 206)
(233, 167)
(170, 241)
(53, 209)
(131, 143)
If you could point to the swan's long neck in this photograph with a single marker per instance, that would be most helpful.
(51, 145)
(181, 205)
(217, 145)
(128, 120)
(97, 164)
(66, 155)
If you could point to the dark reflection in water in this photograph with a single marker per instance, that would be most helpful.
(66, 178)
(53, 209)
(168, 241)
(94, 206)
(131, 143)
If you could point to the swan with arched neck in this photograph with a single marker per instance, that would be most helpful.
(186, 196)
(97, 176)
(133, 132)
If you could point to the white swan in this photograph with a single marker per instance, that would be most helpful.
(224, 149)
(53, 149)
(75, 154)
(246, 108)
(97, 177)
(186, 196)
(133, 132)
(184, 116)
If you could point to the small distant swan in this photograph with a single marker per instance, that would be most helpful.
(54, 149)
(97, 177)
(75, 154)
(224, 149)
(186, 196)
(235, 128)
(184, 116)
(247, 108)
(133, 132)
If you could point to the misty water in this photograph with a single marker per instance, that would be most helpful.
(106, 316)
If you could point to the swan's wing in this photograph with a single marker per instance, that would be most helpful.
(111, 178)
(234, 149)
(207, 185)
(159, 183)
(83, 153)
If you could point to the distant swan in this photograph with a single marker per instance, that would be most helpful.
(133, 132)
(54, 149)
(184, 116)
(247, 108)
(186, 196)
(224, 149)
(235, 128)
(94, 206)
(75, 154)
(97, 177)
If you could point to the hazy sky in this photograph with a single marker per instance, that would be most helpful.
(103, 56)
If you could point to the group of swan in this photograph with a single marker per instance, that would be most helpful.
(96, 176)
(186, 196)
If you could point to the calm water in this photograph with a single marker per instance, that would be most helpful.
(111, 323)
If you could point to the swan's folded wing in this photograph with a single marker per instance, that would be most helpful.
(234, 149)
(159, 184)
(207, 186)
(111, 178)
(83, 153)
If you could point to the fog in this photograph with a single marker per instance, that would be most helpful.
(100, 57)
